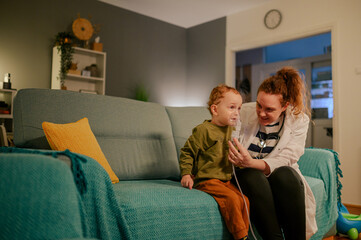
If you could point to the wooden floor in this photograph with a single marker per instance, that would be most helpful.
(336, 238)
(354, 209)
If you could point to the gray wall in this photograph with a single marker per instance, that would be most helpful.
(205, 60)
(172, 63)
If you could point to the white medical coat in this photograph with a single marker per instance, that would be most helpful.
(286, 153)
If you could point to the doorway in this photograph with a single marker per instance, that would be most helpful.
(312, 57)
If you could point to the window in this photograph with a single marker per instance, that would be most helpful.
(321, 90)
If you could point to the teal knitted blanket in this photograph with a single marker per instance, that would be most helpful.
(323, 164)
(100, 215)
(144, 209)
(38, 199)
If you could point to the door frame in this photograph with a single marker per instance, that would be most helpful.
(260, 41)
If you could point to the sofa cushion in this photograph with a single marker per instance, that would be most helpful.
(320, 168)
(135, 137)
(183, 120)
(163, 209)
(79, 138)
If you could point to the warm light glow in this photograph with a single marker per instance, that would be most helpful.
(174, 99)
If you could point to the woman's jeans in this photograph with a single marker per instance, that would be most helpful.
(277, 202)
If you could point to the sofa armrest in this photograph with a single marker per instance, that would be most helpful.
(322, 164)
(315, 161)
(39, 198)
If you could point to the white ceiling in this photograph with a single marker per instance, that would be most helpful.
(186, 13)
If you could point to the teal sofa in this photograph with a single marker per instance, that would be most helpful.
(141, 142)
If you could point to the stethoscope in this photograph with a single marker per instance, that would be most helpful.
(262, 142)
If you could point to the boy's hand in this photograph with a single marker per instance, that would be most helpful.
(187, 181)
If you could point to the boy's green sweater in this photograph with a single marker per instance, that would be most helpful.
(205, 154)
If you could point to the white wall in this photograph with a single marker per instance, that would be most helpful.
(246, 30)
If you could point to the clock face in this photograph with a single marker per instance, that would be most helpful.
(272, 19)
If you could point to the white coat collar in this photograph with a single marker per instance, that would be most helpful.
(250, 125)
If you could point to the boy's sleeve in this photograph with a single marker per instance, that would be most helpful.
(189, 153)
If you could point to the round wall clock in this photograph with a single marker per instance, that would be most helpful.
(272, 19)
(82, 29)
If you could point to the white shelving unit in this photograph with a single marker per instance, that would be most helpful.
(73, 82)
(7, 95)
(6, 119)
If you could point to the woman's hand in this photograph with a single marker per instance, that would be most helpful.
(187, 181)
(240, 157)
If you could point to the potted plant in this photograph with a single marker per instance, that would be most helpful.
(63, 43)
(141, 93)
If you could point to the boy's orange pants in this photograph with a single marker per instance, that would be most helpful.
(231, 205)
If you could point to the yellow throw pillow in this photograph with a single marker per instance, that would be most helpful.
(78, 138)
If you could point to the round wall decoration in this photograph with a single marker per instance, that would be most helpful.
(82, 29)
(272, 19)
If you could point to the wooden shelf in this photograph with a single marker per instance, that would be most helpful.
(7, 95)
(83, 58)
(80, 77)
(6, 116)
(89, 51)
(8, 90)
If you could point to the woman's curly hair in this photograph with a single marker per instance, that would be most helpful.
(289, 84)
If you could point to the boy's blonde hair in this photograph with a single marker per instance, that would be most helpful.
(218, 93)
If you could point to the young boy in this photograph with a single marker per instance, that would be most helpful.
(204, 159)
